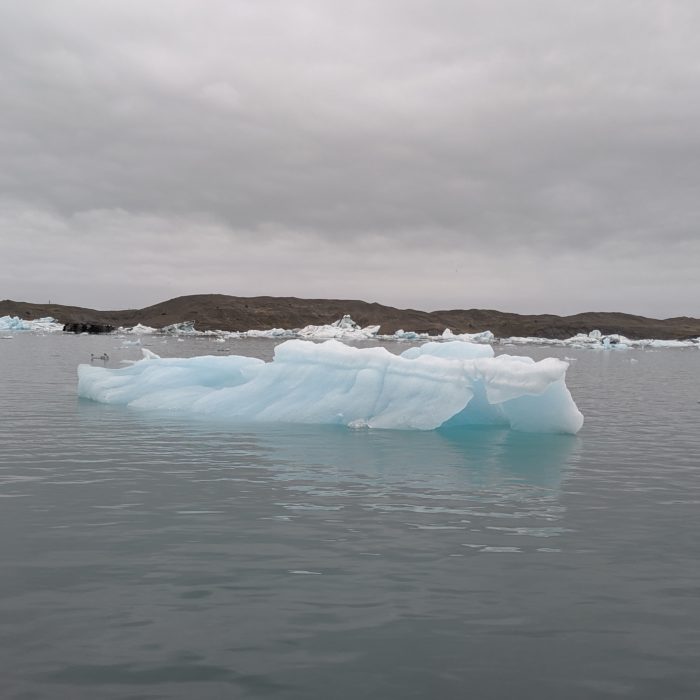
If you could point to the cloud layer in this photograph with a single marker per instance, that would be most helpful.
(530, 156)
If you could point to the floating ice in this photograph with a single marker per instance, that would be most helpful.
(597, 341)
(182, 328)
(483, 337)
(272, 333)
(344, 328)
(348, 330)
(139, 329)
(439, 384)
(656, 343)
(409, 335)
(44, 325)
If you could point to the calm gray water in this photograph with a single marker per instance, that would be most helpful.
(149, 557)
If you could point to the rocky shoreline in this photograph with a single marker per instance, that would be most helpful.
(229, 313)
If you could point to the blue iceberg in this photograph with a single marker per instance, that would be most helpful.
(47, 324)
(432, 386)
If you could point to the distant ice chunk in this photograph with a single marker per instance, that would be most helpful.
(138, 329)
(597, 341)
(272, 333)
(658, 343)
(47, 324)
(482, 337)
(443, 384)
(401, 334)
(344, 328)
(182, 328)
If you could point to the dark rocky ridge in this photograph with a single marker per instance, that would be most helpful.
(222, 312)
(73, 327)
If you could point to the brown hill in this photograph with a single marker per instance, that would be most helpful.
(222, 312)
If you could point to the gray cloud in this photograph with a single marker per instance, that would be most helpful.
(543, 153)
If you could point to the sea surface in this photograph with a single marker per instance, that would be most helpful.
(149, 557)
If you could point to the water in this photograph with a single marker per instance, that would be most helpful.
(145, 557)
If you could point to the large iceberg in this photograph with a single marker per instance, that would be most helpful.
(436, 385)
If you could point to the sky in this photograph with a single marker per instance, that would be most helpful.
(523, 155)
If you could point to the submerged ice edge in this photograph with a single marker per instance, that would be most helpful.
(435, 385)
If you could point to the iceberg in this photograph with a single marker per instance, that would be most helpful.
(597, 341)
(272, 333)
(347, 329)
(344, 328)
(401, 334)
(182, 328)
(433, 386)
(138, 329)
(483, 337)
(47, 324)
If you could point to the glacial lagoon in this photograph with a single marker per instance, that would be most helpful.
(162, 556)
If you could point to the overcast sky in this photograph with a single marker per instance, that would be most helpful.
(525, 155)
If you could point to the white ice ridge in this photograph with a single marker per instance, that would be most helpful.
(597, 341)
(44, 325)
(346, 329)
(342, 329)
(435, 385)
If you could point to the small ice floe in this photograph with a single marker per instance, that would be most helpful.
(304, 572)
(138, 329)
(182, 328)
(401, 334)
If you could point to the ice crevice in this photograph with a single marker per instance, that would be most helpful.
(446, 384)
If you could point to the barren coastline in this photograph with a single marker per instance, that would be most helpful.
(232, 313)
